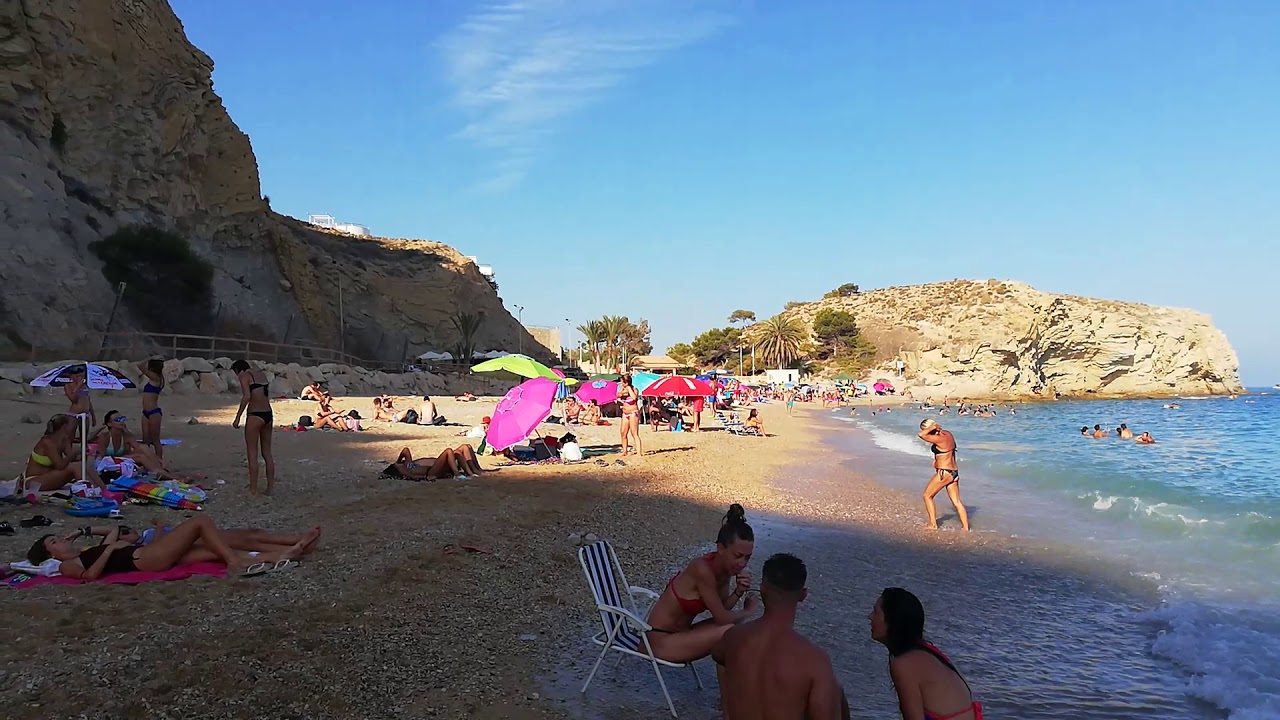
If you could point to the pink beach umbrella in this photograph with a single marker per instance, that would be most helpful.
(520, 411)
(602, 391)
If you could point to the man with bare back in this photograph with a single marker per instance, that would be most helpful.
(772, 672)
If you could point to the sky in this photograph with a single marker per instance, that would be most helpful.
(675, 160)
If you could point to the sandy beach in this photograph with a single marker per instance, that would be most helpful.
(380, 623)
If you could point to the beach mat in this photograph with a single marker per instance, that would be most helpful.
(180, 572)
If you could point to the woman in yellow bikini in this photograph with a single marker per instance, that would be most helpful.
(50, 465)
(629, 399)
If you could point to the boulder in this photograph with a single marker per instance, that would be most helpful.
(172, 370)
(12, 374)
(331, 368)
(31, 372)
(314, 373)
(31, 417)
(211, 383)
(337, 387)
(195, 364)
(280, 386)
(231, 383)
(184, 385)
(223, 363)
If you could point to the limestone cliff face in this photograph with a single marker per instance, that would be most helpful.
(1005, 339)
(108, 118)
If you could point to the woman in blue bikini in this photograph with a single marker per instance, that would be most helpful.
(153, 371)
(257, 424)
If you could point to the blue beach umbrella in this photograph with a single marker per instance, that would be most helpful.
(643, 380)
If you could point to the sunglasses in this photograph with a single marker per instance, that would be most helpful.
(118, 418)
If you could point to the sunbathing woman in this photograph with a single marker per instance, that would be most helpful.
(755, 421)
(327, 417)
(115, 441)
(153, 371)
(257, 426)
(923, 677)
(314, 391)
(243, 539)
(447, 464)
(703, 586)
(176, 547)
(51, 464)
(591, 415)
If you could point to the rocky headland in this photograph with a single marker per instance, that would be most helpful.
(994, 339)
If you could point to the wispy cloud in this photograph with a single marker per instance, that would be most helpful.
(518, 68)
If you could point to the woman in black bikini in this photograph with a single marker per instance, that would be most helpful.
(946, 474)
(257, 426)
(153, 371)
(196, 540)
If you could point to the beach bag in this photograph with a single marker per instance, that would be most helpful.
(306, 421)
(353, 424)
(410, 416)
(571, 452)
(541, 451)
(439, 420)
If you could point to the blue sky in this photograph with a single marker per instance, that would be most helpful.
(1125, 150)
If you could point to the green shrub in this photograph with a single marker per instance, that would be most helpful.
(170, 287)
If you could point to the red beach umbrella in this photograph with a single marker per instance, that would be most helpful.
(678, 386)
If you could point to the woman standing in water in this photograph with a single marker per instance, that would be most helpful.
(153, 371)
(257, 426)
(629, 399)
(946, 474)
(923, 677)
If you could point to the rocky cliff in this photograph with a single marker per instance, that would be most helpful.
(108, 118)
(1006, 339)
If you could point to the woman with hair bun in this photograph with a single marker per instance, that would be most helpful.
(712, 583)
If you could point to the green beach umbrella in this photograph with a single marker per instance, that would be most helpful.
(606, 376)
(514, 368)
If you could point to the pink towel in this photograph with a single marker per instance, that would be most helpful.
(181, 572)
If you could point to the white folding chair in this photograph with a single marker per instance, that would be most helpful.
(624, 629)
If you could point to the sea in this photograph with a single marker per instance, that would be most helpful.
(1187, 532)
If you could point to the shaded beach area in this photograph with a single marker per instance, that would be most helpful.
(381, 622)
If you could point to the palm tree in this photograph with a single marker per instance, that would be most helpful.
(615, 329)
(780, 340)
(466, 325)
(593, 334)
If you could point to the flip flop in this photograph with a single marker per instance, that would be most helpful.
(256, 569)
(619, 463)
(476, 549)
(6, 528)
(283, 565)
(449, 549)
(35, 521)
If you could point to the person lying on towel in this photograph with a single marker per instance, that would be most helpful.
(196, 540)
(458, 462)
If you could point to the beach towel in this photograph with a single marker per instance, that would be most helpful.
(181, 572)
(47, 568)
(170, 494)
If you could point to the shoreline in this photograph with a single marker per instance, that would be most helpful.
(451, 635)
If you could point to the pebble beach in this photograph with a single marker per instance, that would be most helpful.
(380, 623)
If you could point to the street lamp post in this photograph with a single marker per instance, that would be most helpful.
(520, 321)
(568, 324)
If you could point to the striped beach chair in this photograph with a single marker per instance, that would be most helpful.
(623, 627)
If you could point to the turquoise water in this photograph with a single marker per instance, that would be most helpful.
(1198, 514)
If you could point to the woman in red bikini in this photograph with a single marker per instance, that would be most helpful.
(924, 678)
(704, 586)
(629, 399)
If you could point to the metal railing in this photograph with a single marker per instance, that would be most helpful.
(136, 345)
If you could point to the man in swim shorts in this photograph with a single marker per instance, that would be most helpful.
(770, 670)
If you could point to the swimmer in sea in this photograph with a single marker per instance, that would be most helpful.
(1084, 431)
(946, 474)
(1098, 432)
(1124, 432)
(1145, 439)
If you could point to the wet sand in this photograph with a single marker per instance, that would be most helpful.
(380, 623)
